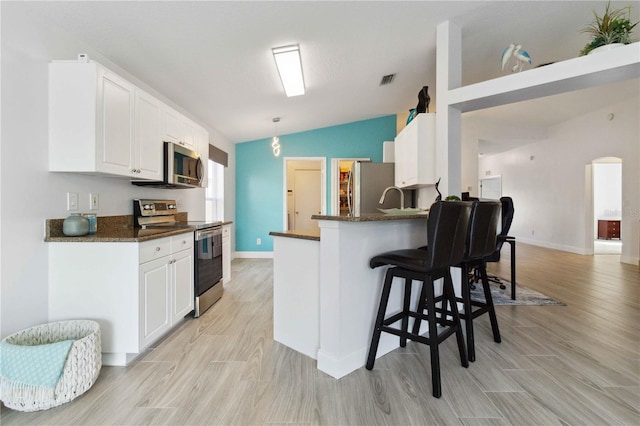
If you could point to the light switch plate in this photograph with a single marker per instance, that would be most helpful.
(72, 201)
(94, 201)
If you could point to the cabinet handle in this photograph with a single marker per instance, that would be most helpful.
(157, 248)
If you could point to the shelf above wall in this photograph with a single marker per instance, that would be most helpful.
(573, 74)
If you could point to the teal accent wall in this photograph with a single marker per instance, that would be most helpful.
(260, 179)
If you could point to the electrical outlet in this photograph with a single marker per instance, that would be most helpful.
(72, 201)
(94, 201)
(258, 241)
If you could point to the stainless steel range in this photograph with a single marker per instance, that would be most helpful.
(207, 247)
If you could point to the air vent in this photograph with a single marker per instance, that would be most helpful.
(387, 79)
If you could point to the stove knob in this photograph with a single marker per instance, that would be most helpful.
(147, 207)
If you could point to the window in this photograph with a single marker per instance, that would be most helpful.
(214, 198)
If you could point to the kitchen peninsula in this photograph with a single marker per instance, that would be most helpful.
(325, 296)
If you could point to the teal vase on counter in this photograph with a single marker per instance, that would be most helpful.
(75, 225)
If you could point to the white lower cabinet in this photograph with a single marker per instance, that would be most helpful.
(154, 300)
(137, 292)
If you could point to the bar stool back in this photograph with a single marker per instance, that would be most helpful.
(447, 227)
(481, 242)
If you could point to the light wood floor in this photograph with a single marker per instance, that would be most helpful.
(577, 364)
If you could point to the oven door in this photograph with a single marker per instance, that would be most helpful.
(208, 268)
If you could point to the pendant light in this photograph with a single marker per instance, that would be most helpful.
(275, 144)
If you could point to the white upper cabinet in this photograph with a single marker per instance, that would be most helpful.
(202, 146)
(414, 151)
(114, 123)
(147, 148)
(101, 123)
(178, 129)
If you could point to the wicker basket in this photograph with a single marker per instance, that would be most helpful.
(81, 369)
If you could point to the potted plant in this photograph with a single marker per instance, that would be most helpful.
(614, 26)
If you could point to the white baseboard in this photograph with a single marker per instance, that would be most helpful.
(630, 260)
(577, 250)
(546, 244)
(254, 255)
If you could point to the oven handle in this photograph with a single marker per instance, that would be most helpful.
(207, 233)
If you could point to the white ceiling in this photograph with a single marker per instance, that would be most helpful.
(214, 59)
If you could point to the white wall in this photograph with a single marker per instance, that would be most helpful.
(551, 189)
(31, 194)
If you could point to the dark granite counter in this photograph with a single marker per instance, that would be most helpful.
(110, 229)
(305, 234)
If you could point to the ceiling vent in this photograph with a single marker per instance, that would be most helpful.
(387, 79)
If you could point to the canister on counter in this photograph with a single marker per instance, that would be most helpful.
(93, 222)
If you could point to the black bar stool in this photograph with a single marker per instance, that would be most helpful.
(446, 234)
(481, 242)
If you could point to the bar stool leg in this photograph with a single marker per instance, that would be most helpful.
(377, 330)
(420, 309)
(405, 311)
(451, 298)
(489, 301)
(468, 314)
(433, 338)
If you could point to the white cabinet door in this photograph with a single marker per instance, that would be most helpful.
(115, 123)
(147, 147)
(415, 153)
(181, 284)
(226, 253)
(154, 287)
(178, 129)
(202, 144)
(188, 134)
(171, 126)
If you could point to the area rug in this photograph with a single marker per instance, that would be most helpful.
(524, 295)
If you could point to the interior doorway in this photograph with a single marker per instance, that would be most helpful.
(305, 191)
(607, 205)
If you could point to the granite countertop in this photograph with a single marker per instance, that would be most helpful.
(110, 229)
(301, 234)
(372, 217)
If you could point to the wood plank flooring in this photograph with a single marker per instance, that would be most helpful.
(557, 365)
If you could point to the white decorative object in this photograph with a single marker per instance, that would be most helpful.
(81, 369)
(521, 57)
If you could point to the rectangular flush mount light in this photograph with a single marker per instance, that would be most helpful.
(290, 69)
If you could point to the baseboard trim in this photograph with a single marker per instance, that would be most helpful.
(630, 260)
(254, 255)
(570, 249)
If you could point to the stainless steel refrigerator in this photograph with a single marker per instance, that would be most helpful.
(367, 182)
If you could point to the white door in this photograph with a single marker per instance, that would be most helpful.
(307, 198)
(491, 188)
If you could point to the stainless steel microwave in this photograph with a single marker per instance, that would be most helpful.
(183, 168)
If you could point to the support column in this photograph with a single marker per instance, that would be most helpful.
(448, 119)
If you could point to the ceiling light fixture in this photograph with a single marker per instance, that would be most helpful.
(275, 143)
(290, 69)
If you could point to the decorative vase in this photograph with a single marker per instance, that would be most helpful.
(605, 47)
(75, 225)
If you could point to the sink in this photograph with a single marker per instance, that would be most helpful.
(402, 211)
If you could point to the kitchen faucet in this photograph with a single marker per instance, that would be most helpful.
(384, 194)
